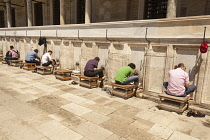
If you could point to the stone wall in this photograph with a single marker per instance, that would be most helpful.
(106, 10)
(169, 42)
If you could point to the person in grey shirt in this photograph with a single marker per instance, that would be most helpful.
(32, 56)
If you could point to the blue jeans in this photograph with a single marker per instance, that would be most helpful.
(9, 58)
(188, 90)
(134, 79)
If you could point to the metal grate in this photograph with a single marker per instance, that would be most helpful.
(80, 11)
(13, 17)
(155, 9)
(2, 24)
(38, 14)
(56, 12)
(132, 7)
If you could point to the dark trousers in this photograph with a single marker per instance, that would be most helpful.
(94, 73)
(47, 64)
(188, 90)
(9, 58)
(33, 61)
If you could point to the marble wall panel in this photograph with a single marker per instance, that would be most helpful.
(77, 55)
(188, 56)
(66, 55)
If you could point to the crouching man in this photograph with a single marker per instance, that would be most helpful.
(32, 56)
(47, 60)
(125, 76)
(178, 84)
(91, 70)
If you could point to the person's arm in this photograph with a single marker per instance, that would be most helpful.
(186, 80)
(39, 58)
(36, 56)
(10, 53)
(95, 65)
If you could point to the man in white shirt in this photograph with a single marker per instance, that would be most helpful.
(47, 60)
(178, 84)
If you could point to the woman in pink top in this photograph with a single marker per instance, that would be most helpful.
(12, 54)
(178, 84)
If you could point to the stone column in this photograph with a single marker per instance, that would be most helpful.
(9, 16)
(88, 9)
(171, 9)
(29, 13)
(62, 12)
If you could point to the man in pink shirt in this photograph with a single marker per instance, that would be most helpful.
(178, 84)
(12, 54)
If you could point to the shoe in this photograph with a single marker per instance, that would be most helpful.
(103, 78)
(74, 83)
(198, 114)
(190, 113)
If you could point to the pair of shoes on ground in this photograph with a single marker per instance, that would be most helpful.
(195, 114)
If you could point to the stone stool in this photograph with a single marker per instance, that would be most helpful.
(124, 91)
(29, 66)
(88, 81)
(44, 70)
(16, 63)
(63, 74)
(173, 103)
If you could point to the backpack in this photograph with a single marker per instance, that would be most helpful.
(204, 45)
(7, 54)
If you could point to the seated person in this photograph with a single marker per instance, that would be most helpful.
(12, 54)
(47, 60)
(32, 56)
(126, 75)
(178, 84)
(91, 70)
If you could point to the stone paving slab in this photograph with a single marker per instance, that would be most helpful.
(37, 107)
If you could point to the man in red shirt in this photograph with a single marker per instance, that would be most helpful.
(12, 54)
(178, 84)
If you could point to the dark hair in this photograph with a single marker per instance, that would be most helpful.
(132, 65)
(50, 51)
(97, 58)
(36, 50)
(180, 65)
(11, 47)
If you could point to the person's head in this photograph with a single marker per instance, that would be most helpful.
(36, 50)
(97, 59)
(50, 52)
(182, 66)
(132, 65)
(11, 47)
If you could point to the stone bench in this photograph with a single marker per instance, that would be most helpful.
(124, 91)
(173, 103)
(44, 70)
(88, 81)
(16, 63)
(29, 66)
(63, 74)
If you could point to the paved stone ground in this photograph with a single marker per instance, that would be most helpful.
(37, 107)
